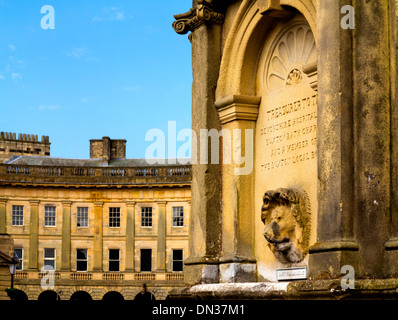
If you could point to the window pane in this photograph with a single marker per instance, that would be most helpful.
(177, 254)
(82, 217)
(146, 260)
(19, 253)
(81, 254)
(17, 215)
(50, 263)
(81, 259)
(49, 253)
(178, 266)
(114, 217)
(49, 216)
(178, 216)
(81, 266)
(146, 217)
(113, 254)
(178, 260)
(113, 265)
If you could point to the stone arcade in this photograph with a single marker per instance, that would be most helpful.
(321, 101)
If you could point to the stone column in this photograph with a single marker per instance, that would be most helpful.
(3, 215)
(204, 245)
(335, 245)
(161, 265)
(238, 115)
(130, 235)
(33, 235)
(392, 244)
(66, 237)
(373, 78)
(354, 121)
(98, 232)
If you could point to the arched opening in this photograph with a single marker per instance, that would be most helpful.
(144, 294)
(113, 296)
(81, 296)
(49, 295)
(273, 61)
(17, 295)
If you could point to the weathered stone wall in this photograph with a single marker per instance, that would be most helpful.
(24, 145)
(7, 247)
(107, 149)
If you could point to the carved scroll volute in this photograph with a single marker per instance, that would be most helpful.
(204, 12)
(286, 216)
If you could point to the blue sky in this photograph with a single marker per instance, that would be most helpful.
(109, 68)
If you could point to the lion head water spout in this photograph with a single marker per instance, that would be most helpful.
(285, 214)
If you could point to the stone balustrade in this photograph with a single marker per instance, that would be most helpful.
(94, 175)
(25, 277)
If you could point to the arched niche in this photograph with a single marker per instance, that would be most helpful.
(269, 64)
(245, 41)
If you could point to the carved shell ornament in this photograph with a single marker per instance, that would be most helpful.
(292, 55)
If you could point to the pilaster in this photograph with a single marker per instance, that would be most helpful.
(33, 235)
(66, 235)
(130, 234)
(3, 215)
(238, 115)
(98, 235)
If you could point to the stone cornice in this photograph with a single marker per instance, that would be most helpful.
(203, 13)
(238, 107)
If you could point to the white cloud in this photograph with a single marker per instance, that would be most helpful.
(133, 88)
(16, 76)
(2, 77)
(77, 53)
(12, 47)
(88, 99)
(111, 14)
(48, 107)
(18, 62)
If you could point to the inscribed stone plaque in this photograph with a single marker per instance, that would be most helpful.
(286, 129)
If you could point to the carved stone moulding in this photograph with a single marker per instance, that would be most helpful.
(203, 13)
(286, 216)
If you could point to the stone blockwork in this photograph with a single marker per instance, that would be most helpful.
(6, 254)
(24, 145)
(107, 149)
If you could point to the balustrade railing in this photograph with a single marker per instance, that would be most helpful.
(105, 276)
(81, 276)
(64, 174)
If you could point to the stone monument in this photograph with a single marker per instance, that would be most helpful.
(311, 86)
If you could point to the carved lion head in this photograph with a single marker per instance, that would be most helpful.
(286, 216)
